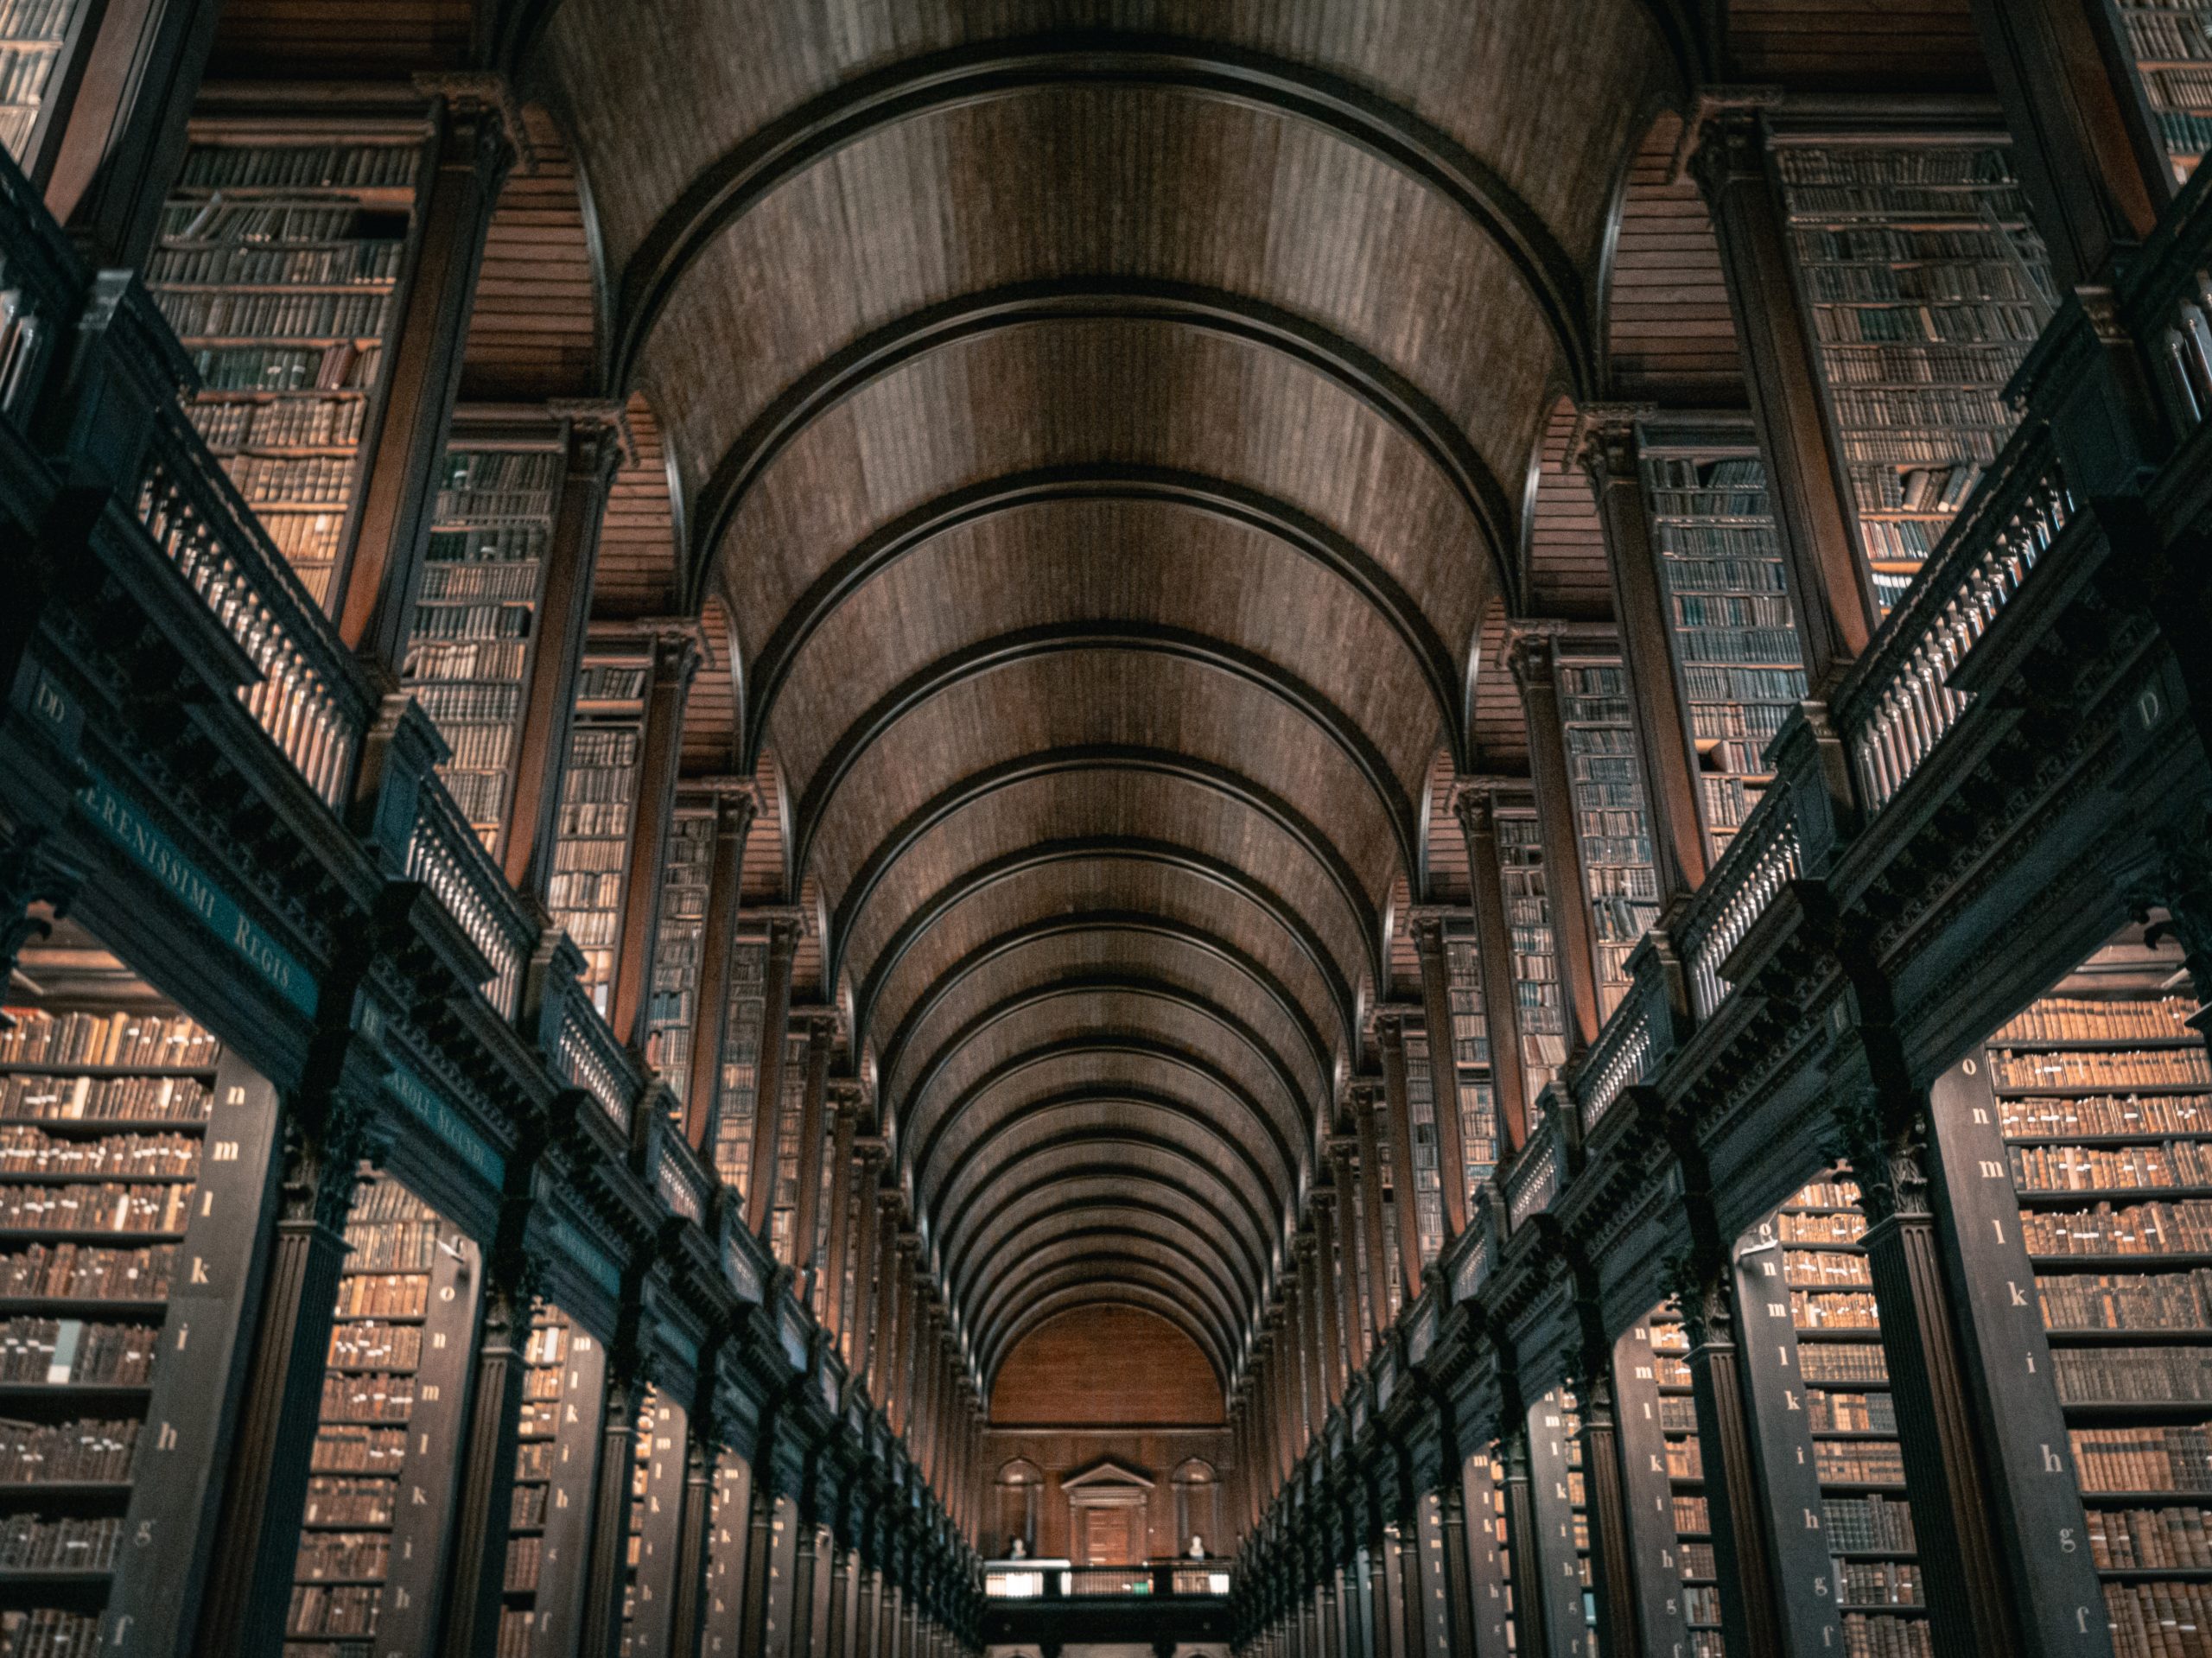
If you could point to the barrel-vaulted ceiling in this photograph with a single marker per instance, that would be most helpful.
(1107, 424)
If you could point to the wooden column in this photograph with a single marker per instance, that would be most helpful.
(806, 1215)
(1533, 655)
(1827, 582)
(382, 569)
(883, 1359)
(487, 1476)
(736, 804)
(1443, 1067)
(830, 1304)
(598, 441)
(1366, 1095)
(257, 1541)
(898, 1322)
(1336, 1318)
(123, 139)
(606, 1567)
(1970, 1605)
(1665, 753)
(836, 1630)
(2082, 141)
(1477, 810)
(675, 657)
(1316, 1307)
(1358, 1332)
(768, 1071)
(1612, 1560)
(1405, 1196)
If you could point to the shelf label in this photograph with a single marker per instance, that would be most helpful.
(588, 1256)
(430, 1109)
(123, 823)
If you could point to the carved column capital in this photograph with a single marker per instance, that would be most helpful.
(1724, 139)
(489, 99)
(1532, 653)
(1605, 441)
(1888, 1159)
(600, 432)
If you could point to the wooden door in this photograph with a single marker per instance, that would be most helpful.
(1109, 1536)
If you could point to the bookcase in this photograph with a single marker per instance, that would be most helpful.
(2172, 40)
(1925, 283)
(1490, 1553)
(783, 1199)
(1611, 824)
(1535, 967)
(1736, 652)
(732, 1139)
(599, 798)
(556, 1459)
(656, 1514)
(679, 945)
(1420, 1112)
(37, 38)
(1857, 1461)
(2104, 1100)
(474, 623)
(1689, 1570)
(1559, 1499)
(1470, 1056)
(110, 1097)
(364, 1579)
(277, 265)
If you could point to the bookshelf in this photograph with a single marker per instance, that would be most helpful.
(113, 1237)
(1926, 284)
(1611, 824)
(1535, 964)
(474, 621)
(679, 946)
(548, 1527)
(1420, 1112)
(783, 1211)
(656, 1512)
(748, 980)
(1490, 1553)
(1687, 1524)
(1736, 644)
(599, 797)
(37, 36)
(1858, 1460)
(1470, 1056)
(393, 1386)
(1562, 1543)
(2171, 43)
(2103, 1096)
(278, 265)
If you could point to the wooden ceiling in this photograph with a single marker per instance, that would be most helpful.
(1107, 439)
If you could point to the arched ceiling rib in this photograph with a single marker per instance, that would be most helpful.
(1093, 413)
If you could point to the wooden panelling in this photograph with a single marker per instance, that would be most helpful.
(1875, 44)
(341, 39)
(533, 332)
(1103, 1367)
(1566, 544)
(1062, 1453)
(636, 543)
(1447, 848)
(710, 714)
(1669, 331)
(1501, 732)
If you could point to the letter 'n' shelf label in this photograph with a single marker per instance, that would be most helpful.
(123, 823)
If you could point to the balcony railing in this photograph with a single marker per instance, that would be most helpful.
(446, 856)
(1764, 858)
(2165, 299)
(40, 287)
(593, 1060)
(1026, 1580)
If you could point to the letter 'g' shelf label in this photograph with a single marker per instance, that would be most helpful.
(123, 823)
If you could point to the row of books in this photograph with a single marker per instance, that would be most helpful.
(1827, 1362)
(2126, 1539)
(2080, 1168)
(108, 1207)
(311, 480)
(1820, 1225)
(352, 1448)
(41, 1098)
(84, 1272)
(2160, 1620)
(1933, 282)
(399, 1247)
(220, 218)
(475, 620)
(334, 1499)
(1915, 325)
(1824, 1269)
(1854, 1464)
(1833, 1312)
(389, 1295)
(2183, 1067)
(371, 1345)
(2126, 1301)
(249, 315)
(288, 368)
(28, 1151)
(246, 265)
(344, 1554)
(1830, 1411)
(357, 1398)
(2138, 1228)
(2143, 1459)
(334, 1609)
(322, 167)
(55, 1351)
(457, 706)
(44, 1453)
(2067, 1019)
(1880, 1583)
(48, 1632)
(1871, 1636)
(2155, 1375)
(39, 1037)
(1864, 1523)
(31, 1542)
(2109, 1113)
